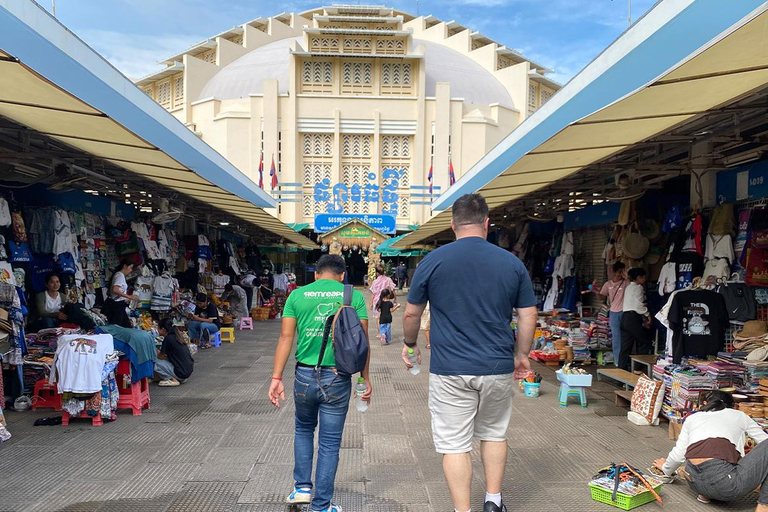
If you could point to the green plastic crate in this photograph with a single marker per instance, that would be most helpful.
(623, 501)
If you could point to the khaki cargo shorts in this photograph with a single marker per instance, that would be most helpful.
(466, 406)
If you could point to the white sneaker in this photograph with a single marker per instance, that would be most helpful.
(299, 496)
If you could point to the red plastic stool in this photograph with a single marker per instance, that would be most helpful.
(132, 396)
(46, 395)
(96, 421)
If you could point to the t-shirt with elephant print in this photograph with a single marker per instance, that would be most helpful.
(311, 306)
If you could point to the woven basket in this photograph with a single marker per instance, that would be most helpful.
(260, 314)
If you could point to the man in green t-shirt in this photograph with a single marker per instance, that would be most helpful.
(322, 394)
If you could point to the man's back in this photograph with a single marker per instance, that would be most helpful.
(472, 287)
(311, 305)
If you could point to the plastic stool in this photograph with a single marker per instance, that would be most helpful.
(227, 334)
(96, 421)
(568, 391)
(246, 322)
(46, 395)
(136, 395)
(215, 339)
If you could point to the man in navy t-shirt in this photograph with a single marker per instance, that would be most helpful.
(472, 287)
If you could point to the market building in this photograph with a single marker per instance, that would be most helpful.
(360, 109)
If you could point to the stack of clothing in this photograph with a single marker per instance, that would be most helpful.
(756, 371)
(687, 386)
(578, 340)
(600, 331)
(726, 374)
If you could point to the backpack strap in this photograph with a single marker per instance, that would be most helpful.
(348, 290)
(326, 334)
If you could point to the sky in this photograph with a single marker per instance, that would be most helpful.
(134, 35)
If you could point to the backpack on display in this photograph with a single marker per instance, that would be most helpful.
(350, 341)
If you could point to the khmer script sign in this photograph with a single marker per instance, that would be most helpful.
(325, 222)
(336, 196)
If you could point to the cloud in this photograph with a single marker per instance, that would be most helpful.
(136, 55)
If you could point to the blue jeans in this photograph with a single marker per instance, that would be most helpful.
(327, 400)
(164, 368)
(386, 332)
(196, 329)
(615, 320)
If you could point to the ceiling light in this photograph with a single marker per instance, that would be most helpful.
(742, 158)
(223, 223)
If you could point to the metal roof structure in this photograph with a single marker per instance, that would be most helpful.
(690, 73)
(63, 103)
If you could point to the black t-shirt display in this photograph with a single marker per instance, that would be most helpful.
(698, 319)
(689, 266)
(386, 312)
(211, 312)
(179, 356)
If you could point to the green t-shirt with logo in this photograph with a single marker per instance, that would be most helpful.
(311, 306)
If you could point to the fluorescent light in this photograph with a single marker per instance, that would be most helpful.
(223, 223)
(743, 158)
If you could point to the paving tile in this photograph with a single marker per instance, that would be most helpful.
(207, 496)
(388, 449)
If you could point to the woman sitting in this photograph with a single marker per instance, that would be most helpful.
(712, 440)
(49, 304)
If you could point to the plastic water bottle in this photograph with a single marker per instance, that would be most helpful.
(415, 370)
(361, 388)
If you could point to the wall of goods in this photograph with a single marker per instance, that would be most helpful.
(707, 292)
(173, 262)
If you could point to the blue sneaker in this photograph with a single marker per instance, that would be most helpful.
(299, 496)
(332, 508)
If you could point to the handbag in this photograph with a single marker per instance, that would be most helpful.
(757, 267)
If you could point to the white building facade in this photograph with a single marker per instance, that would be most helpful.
(354, 104)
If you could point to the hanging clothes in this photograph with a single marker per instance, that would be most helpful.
(699, 319)
(79, 362)
(162, 292)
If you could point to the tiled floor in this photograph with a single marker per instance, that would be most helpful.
(216, 444)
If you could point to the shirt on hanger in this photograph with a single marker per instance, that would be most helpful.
(5, 213)
(720, 246)
(699, 319)
(689, 266)
(667, 278)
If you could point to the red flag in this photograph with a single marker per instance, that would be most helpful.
(429, 177)
(261, 171)
(451, 175)
(273, 173)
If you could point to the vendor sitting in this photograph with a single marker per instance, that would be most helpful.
(50, 303)
(712, 440)
(174, 361)
(204, 320)
(238, 301)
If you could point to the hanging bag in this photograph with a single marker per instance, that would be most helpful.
(723, 220)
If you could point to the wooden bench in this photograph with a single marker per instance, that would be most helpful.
(622, 398)
(629, 379)
(645, 360)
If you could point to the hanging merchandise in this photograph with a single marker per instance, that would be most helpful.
(19, 230)
(722, 222)
(757, 267)
(42, 266)
(625, 212)
(693, 239)
(742, 237)
(5, 213)
(3, 252)
(6, 273)
(716, 268)
(689, 266)
(20, 253)
(163, 289)
(79, 362)
(739, 300)
(699, 319)
(673, 221)
(635, 244)
(65, 263)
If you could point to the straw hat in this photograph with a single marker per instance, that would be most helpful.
(636, 246)
(759, 354)
(650, 229)
(753, 329)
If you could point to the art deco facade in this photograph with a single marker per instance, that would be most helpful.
(355, 104)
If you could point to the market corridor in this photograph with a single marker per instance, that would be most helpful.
(217, 444)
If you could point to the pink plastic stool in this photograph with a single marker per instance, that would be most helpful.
(246, 322)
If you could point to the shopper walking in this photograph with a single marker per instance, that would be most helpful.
(613, 290)
(636, 320)
(320, 393)
(474, 351)
(385, 308)
(712, 442)
(401, 273)
(381, 283)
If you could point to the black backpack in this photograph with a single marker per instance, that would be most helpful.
(350, 341)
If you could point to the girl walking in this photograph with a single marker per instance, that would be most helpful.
(385, 307)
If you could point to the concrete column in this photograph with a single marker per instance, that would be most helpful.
(376, 156)
(290, 172)
(442, 131)
(255, 136)
(421, 140)
(336, 167)
(271, 117)
(703, 179)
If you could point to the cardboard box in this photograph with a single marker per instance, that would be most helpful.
(674, 430)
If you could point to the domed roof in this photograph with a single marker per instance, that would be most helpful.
(468, 79)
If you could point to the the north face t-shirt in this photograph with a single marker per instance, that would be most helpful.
(311, 306)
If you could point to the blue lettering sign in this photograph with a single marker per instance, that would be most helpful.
(325, 222)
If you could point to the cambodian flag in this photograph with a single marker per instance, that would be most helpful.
(261, 171)
(451, 175)
(273, 173)
(429, 177)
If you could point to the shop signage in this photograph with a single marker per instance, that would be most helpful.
(747, 182)
(355, 232)
(325, 222)
(336, 196)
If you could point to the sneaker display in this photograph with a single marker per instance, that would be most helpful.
(299, 496)
(492, 507)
